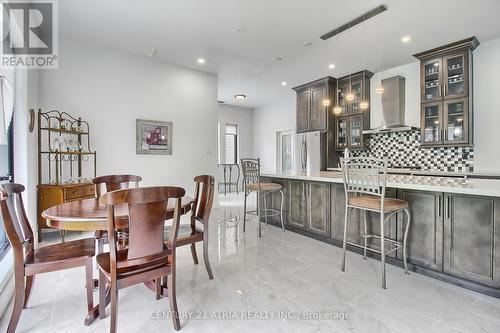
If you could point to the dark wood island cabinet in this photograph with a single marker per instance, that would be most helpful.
(452, 237)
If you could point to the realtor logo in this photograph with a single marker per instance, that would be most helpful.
(29, 34)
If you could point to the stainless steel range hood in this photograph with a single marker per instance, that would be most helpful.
(393, 107)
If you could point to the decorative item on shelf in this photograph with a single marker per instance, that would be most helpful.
(56, 145)
(74, 126)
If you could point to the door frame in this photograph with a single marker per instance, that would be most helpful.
(279, 143)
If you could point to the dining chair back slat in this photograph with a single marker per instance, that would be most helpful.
(115, 182)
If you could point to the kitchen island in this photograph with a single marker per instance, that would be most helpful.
(454, 233)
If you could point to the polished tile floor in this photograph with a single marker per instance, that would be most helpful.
(283, 282)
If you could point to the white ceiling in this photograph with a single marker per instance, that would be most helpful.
(183, 30)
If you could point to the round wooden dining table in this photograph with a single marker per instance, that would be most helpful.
(91, 215)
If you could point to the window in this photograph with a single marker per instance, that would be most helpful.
(285, 150)
(6, 174)
(231, 144)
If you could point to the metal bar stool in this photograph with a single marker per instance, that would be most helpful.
(252, 183)
(365, 179)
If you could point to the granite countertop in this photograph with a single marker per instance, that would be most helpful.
(459, 185)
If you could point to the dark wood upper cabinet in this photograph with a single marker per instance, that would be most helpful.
(314, 103)
(354, 119)
(303, 110)
(446, 94)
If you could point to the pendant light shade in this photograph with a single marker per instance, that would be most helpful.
(337, 110)
(349, 97)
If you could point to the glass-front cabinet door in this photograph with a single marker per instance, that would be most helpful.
(356, 91)
(355, 131)
(455, 75)
(431, 78)
(342, 139)
(342, 91)
(432, 123)
(456, 121)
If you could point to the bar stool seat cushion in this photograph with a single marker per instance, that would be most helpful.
(373, 203)
(264, 186)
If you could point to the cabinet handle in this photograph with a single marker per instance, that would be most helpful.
(447, 207)
(439, 207)
(440, 91)
(444, 89)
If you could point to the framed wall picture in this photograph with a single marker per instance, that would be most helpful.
(153, 137)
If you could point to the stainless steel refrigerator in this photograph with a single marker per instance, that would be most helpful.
(308, 155)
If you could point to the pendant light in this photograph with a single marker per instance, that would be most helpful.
(326, 102)
(337, 110)
(349, 97)
(364, 102)
(380, 89)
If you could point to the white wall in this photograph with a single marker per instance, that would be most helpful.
(243, 117)
(486, 107)
(278, 115)
(269, 119)
(112, 89)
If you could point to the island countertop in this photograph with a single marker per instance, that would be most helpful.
(469, 186)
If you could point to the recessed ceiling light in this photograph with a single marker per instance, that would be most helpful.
(240, 96)
(331, 66)
(284, 83)
(241, 29)
(308, 43)
(278, 58)
(406, 39)
(201, 61)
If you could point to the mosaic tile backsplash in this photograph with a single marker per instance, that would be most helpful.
(403, 150)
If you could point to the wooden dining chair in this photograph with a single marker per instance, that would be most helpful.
(200, 214)
(147, 258)
(111, 183)
(29, 261)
